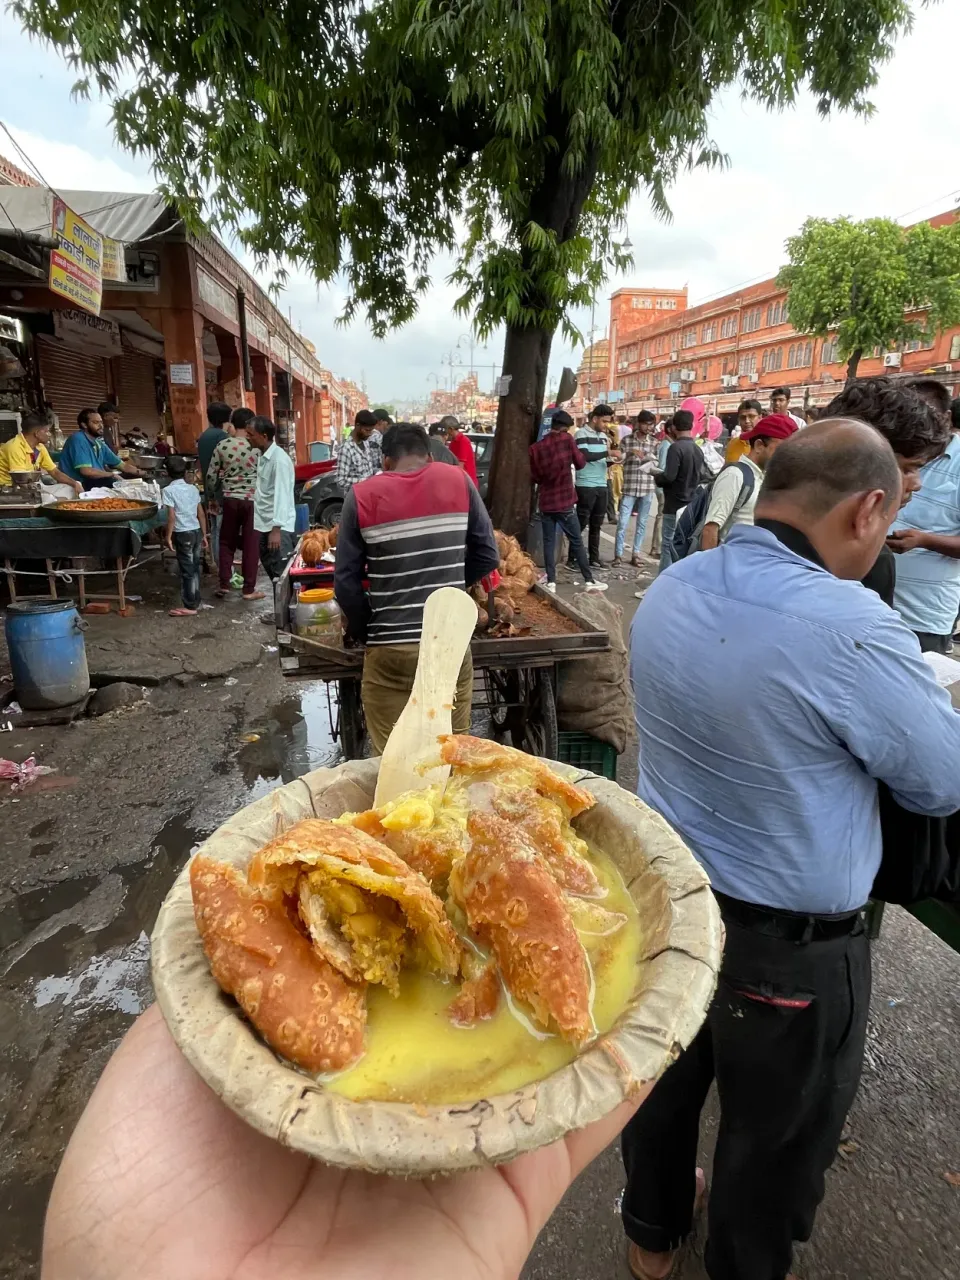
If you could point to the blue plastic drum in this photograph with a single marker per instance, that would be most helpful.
(47, 653)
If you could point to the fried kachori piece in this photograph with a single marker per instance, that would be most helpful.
(514, 905)
(416, 828)
(543, 821)
(298, 1002)
(478, 998)
(479, 755)
(367, 911)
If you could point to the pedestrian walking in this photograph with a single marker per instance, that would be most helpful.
(459, 446)
(551, 462)
(679, 479)
(639, 489)
(218, 428)
(767, 765)
(233, 472)
(186, 534)
(594, 444)
(359, 457)
(407, 531)
(274, 509)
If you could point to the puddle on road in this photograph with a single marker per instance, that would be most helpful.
(295, 737)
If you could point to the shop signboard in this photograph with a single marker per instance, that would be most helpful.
(114, 261)
(84, 332)
(76, 265)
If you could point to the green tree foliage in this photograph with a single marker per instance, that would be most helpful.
(872, 283)
(358, 137)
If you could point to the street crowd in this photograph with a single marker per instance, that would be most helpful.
(811, 760)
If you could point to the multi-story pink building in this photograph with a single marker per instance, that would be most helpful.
(741, 346)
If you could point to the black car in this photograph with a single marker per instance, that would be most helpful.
(483, 454)
(324, 496)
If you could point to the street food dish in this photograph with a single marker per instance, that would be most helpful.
(454, 941)
(102, 504)
(295, 999)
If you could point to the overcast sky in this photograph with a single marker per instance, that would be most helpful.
(728, 228)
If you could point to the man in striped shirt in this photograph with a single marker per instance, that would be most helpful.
(416, 526)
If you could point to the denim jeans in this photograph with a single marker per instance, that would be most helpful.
(666, 550)
(213, 535)
(628, 503)
(567, 521)
(187, 546)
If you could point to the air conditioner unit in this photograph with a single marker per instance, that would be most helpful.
(892, 360)
(648, 362)
(688, 375)
(674, 355)
(729, 379)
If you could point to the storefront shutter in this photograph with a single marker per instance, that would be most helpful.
(72, 380)
(136, 393)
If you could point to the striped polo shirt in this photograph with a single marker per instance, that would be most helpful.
(414, 527)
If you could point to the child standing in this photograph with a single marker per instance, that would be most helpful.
(186, 533)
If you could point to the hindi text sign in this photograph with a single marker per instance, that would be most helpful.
(76, 266)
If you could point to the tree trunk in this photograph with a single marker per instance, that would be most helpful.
(526, 354)
(852, 365)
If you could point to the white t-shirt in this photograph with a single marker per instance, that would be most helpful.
(723, 510)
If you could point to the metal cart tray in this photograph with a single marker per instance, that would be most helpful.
(69, 515)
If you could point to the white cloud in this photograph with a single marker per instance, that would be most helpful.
(728, 227)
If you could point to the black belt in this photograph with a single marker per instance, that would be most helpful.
(791, 926)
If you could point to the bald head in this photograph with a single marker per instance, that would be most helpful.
(839, 483)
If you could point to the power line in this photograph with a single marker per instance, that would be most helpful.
(24, 157)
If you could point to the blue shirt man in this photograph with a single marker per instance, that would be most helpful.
(87, 457)
(927, 593)
(765, 758)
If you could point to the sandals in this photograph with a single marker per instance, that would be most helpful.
(183, 613)
(637, 1257)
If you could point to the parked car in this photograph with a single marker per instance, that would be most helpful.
(324, 497)
(483, 454)
(305, 471)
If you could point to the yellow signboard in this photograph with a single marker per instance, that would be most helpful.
(76, 266)
(114, 263)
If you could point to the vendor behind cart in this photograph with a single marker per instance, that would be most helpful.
(28, 452)
(87, 457)
(416, 526)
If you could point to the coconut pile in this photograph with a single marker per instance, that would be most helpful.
(518, 575)
(316, 543)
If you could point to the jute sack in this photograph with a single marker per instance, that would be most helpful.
(681, 952)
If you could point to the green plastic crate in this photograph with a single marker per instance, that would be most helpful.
(584, 752)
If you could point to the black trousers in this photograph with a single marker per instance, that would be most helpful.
(591, 510)
(275, 561)
(932, 643)
(784, 1040)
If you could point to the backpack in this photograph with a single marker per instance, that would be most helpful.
(687, 535)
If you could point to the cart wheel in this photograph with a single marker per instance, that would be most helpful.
(535, 729)
(501, 688)
(350, 726)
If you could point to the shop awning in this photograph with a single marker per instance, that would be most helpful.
(121, 215)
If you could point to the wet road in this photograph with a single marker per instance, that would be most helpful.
(85, 868)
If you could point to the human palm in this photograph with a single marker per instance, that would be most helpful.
(161, 1180)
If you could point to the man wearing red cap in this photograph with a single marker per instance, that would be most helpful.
(734, 493)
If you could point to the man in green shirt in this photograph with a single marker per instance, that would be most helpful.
(594, 444)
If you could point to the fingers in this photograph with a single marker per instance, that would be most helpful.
(539, 1179)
